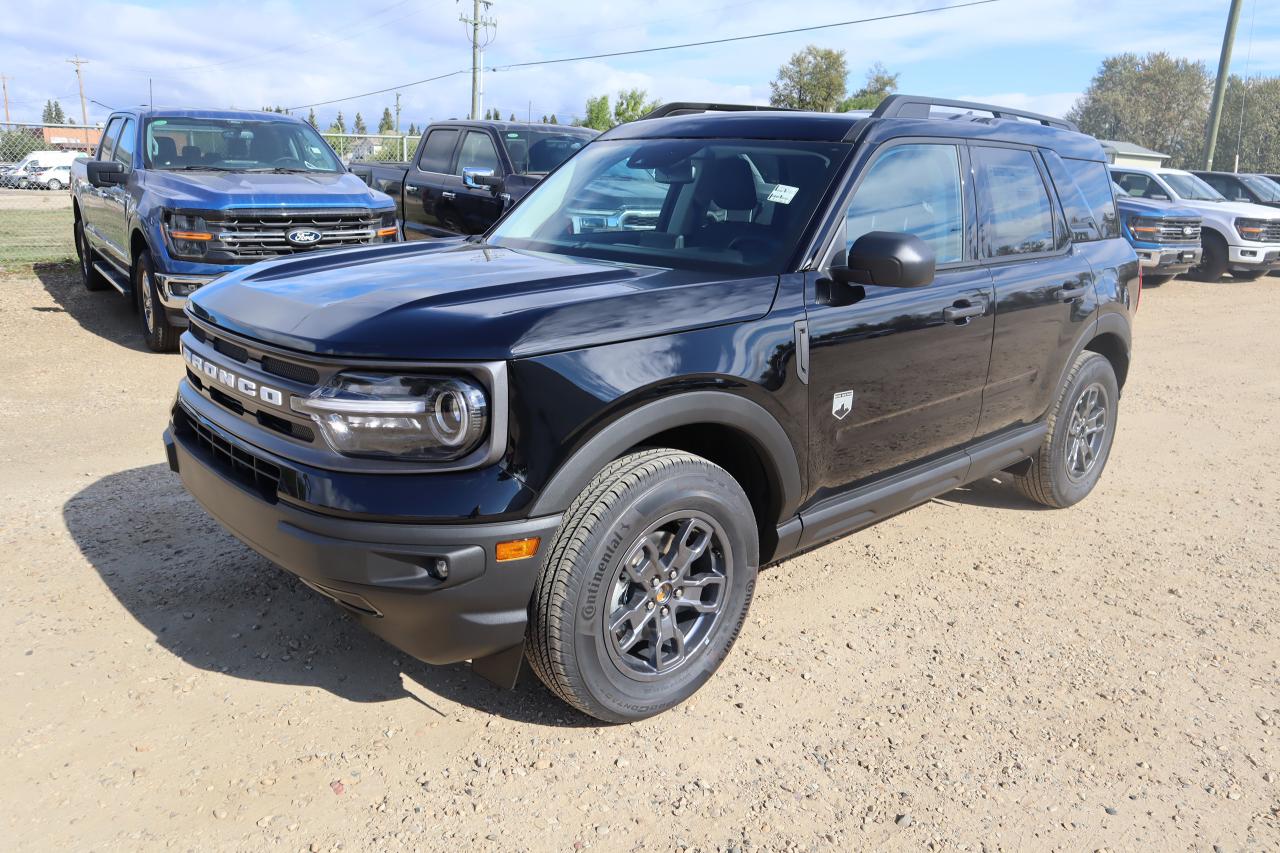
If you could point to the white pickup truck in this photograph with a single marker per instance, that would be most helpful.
(1238, 237)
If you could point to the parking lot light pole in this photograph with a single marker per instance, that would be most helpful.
(1220, 85)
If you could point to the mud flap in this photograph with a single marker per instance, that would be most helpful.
(501, 668)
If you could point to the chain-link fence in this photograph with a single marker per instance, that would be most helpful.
(35, 205)
(371, 146)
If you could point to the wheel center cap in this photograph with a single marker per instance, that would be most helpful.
(662, 593)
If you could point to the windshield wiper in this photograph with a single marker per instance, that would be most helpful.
(200, 168)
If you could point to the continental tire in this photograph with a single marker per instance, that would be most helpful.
(1082, 426)
(646, 586)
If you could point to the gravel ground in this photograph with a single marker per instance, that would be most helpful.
(973, 674)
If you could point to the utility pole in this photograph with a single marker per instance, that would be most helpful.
(84, 110)
(478, 22)
(4, 82)
(1220, 85)
(397, 112)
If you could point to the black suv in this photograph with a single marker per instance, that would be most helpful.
(577, 441)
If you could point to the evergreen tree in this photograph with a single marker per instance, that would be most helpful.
(311, 119)
(513, 117)
(339, 124)
(359, 126)
(386, 124)
(553, 119)
(413, 129)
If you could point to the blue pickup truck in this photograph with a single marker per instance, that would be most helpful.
(1166, 237)
(174, 198)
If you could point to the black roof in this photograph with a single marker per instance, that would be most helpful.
(571, 129)
(897, 116)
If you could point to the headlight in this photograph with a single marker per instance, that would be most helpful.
(1144, 228)
(189, 235)
(389, 228)
(1251, 229)
(429, 418)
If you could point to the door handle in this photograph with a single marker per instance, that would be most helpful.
(964, 310)
(1070, 294)
(412, 189)
(447, 194)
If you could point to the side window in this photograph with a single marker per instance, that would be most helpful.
(478, 152)
(438, 151)
(914, 189)
(1080, 217)
(1015, 216)
(107, 149)
(1140, 186)
(1094, 182)
(128, 141)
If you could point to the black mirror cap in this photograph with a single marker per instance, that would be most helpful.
(888, 259)
(493, 182)
(101, 173)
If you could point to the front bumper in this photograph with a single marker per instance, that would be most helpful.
(1260, 257)
(174, 288)
(1169, 259)
(386, 573)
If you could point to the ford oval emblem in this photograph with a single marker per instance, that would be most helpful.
(1187, 230)
(303, 236)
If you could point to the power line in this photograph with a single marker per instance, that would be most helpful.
(744, 38)
(512, 66)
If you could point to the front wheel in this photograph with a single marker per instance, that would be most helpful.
(159, 334)
(646, 585)
(1214, 258)
(54, 184)
(1081, 428)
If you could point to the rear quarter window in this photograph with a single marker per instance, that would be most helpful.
(1094, 182)
(1082, 217)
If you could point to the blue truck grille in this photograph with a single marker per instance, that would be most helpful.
(247, 237)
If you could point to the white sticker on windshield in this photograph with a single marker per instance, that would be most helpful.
(782, 194)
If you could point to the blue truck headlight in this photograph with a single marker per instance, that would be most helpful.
(189, 235)
(1145, 228)
(402, 416)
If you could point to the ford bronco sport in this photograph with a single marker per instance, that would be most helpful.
(580, 444)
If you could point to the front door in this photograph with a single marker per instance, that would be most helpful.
(93, 199)
(896, 374)
(478, 207)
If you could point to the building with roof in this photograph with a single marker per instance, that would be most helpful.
(1129, 154)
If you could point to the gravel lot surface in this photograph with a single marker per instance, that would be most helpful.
(973, 674)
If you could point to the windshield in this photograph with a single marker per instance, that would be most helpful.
(1265, 188)
(737, 206)
(234, 145)
(536, 152)
(1192, 188)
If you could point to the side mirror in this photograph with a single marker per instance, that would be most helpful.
(103, 173)
(1159, 197)
(477, 177)
(888, 259)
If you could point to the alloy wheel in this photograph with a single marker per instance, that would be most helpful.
(668, 595)
(1087, 431)
(148, 304)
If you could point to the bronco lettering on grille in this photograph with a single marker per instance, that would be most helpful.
(241, 385)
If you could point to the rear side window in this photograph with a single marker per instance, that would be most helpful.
(1094, 181)
(124, 148)
(1015, 214)
(1138, 185)
(438, 151)
(478, 152)
(1080, 217)
(107, 151)
(914, 189)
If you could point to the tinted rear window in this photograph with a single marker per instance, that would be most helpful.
(438, 151)
(1094, 181)
(1015, 213)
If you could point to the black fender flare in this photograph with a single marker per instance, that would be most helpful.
(687, 409)
(1107, 322)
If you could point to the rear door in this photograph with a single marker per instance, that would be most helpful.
(478, 207)
(427, 182)
(896, 374)
(1044, 293)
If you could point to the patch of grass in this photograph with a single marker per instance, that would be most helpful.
(31, 236)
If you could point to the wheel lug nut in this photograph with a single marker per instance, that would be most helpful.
(679, 593)
(666, 611)
(654, 582)
(672, 574)
(649, 606)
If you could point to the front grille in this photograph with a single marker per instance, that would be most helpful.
(289, 370)
(230, 350)
(252, 236)
(247, 469)
(1271, 233)
(639, 220)
(1174, 231)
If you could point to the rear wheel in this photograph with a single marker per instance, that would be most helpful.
(157, 331)
(1213, 261)
(646, 586)
(1081, 428)
(54, 184)
(89, 277)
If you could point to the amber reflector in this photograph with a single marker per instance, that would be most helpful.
(190, 235)
(387, 232)
(518, 549)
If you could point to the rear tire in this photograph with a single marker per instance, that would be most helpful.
(54, 184)
(1214, 260)
(646, 586)
(1081, 428)
(89, 277)
(159, 334)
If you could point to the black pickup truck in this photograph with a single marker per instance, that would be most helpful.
(466, 174)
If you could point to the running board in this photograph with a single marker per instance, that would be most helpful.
(112, 275)
(843, 514)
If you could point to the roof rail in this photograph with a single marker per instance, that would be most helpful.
(915, 106)
(684, 108)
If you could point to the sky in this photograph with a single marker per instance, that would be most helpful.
(1032, 54)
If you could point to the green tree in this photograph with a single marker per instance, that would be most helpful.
(813, 79)
(1250, 126)
(544, 119)
(17, 144)
(880, 85)
(553, 119)
(1157, 101)
(598, 114)
(513, 117)
(52, 113)
(359, 126)
(387, 123)
(311, 119)
(413, 129)
(339, 124)
(631, 105)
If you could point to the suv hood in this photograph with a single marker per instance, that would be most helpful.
(222, 190)
(1146, 207)
(1232, 208)
(452, 300)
